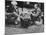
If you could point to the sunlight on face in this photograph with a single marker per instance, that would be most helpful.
(36, 5)
(28, 2)
(20, 34)
(14, 3)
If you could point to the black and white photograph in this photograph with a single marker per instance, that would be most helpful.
(23, 17)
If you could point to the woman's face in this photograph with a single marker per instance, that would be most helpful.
(14, 3)
(36, 6)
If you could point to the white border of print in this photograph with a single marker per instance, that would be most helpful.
(2, 17)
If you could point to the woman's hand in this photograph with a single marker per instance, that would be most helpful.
(39, 22)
